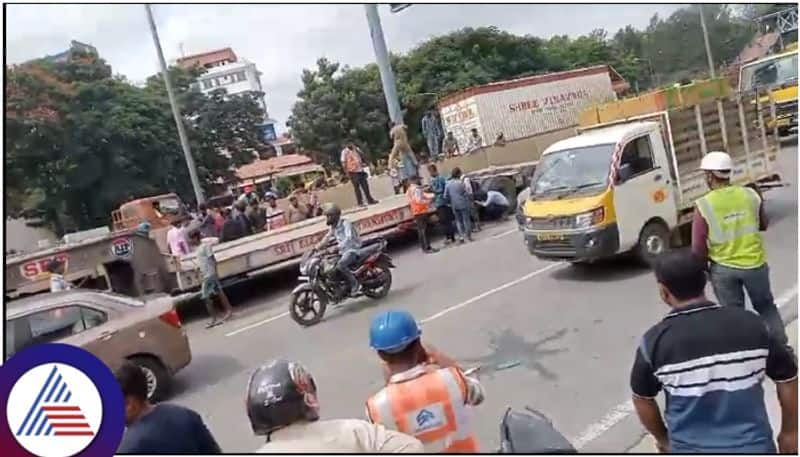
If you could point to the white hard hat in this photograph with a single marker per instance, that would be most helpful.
(718, 162)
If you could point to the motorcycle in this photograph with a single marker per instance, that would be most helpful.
(321, 284)
(531, 432)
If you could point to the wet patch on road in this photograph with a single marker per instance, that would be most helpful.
(508, 348)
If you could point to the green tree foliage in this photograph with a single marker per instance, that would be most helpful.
(79, 142)
(667, 50)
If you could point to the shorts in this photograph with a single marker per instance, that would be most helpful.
(211, 287)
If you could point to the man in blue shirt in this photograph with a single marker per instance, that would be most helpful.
(347, 240)
(710, 360)
(162, 428)
(443, 211)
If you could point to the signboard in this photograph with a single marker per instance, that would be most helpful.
(122, 248)
(37, 269)
(460, 118)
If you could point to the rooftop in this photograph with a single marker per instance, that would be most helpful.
(207, 58)
(270, 166)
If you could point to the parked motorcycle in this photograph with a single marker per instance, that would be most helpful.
(321, 284)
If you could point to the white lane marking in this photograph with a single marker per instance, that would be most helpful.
(500, 235)
(490, 292)
(624, 409)
(257, 324)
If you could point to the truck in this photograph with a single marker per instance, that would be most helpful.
(530, 112)
(777, 75)
(628, 182)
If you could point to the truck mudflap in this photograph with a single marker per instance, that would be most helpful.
(586, 245)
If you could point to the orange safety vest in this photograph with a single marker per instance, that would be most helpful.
(430, 407)
(418, 205)
(352, 161)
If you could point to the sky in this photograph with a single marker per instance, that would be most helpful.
(284, 39)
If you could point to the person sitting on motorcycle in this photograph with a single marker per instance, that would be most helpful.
(347, 240)
(422, 384)
(282, 404)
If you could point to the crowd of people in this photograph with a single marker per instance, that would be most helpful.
(710, 359)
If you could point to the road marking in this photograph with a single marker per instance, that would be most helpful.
(257, 324)
(490, 292)
(624, 409)
(500, 235)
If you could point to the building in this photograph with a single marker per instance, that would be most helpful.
(76, 47)
(224, 70)
(299, 168)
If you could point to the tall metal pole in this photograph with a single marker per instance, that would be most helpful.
(705, 39)
(384, 66)
(187, 152)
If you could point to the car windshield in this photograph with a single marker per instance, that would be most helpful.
(572, 169)
(770, 72)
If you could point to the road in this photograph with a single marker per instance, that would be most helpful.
(573, 331)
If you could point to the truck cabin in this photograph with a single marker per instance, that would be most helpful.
(159, 211)
(590, 163)
(775, 71)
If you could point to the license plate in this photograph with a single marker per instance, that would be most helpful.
(550, 237)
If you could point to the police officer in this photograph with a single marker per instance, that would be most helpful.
(282, 404)
(726, 232)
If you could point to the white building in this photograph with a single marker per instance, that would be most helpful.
(225, 71)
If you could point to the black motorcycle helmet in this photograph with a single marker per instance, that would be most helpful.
(332, 213)
(280, 394)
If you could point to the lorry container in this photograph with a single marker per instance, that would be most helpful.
(630, 183)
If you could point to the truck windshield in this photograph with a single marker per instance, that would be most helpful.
(572, 169)
(770, 72)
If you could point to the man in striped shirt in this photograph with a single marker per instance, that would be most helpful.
(710, 360)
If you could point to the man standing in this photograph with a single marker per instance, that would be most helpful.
(495, 206)
(353, 165)
(205, 221)
(275, 217)
(710, 360)
(474, 193)
(456, 194)
(176, 238)
(240, 216)
(211, 287)
(432, 132)
(450, 145)
(159, 429)
(295, 213)
(725, 231)
(57, 282)
(443, 211)
(427, 395)
(420, 203)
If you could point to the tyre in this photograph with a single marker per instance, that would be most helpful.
(159, 381)
(382, 289)
(307, 307)
(653, 241)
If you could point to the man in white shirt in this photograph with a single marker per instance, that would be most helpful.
(282, 404)
(495, 206)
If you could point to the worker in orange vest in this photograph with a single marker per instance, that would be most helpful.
(420, 202)
(426, 395)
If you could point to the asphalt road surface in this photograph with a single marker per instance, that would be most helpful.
(573, 332)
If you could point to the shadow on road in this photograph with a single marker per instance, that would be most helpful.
(205, 370)
(614, 269)
(510, 349)
(364, 303)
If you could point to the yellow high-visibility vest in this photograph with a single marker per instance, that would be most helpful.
(732, 215)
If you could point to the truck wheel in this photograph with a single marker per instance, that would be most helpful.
(506, 187)
(653, 241)
(159, 380)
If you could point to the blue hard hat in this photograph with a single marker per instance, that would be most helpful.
(392, 331)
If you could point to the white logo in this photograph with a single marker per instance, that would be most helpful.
(54, 410)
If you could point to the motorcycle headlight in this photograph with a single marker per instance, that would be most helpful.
(303, 269)
(590, 218)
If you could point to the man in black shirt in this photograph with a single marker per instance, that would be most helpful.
(159, 429)
(710, 360)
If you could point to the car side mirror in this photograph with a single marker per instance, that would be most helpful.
(624, 173)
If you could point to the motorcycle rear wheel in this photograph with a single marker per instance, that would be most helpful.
(302, 304)
(382, 289)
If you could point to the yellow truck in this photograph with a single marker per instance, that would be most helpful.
(628, 181)
(777, 74)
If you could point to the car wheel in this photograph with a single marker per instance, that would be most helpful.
(159, 380)
(653, 241)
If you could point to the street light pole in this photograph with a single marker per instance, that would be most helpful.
(384, 66)
(705, 39)
(187, 152)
